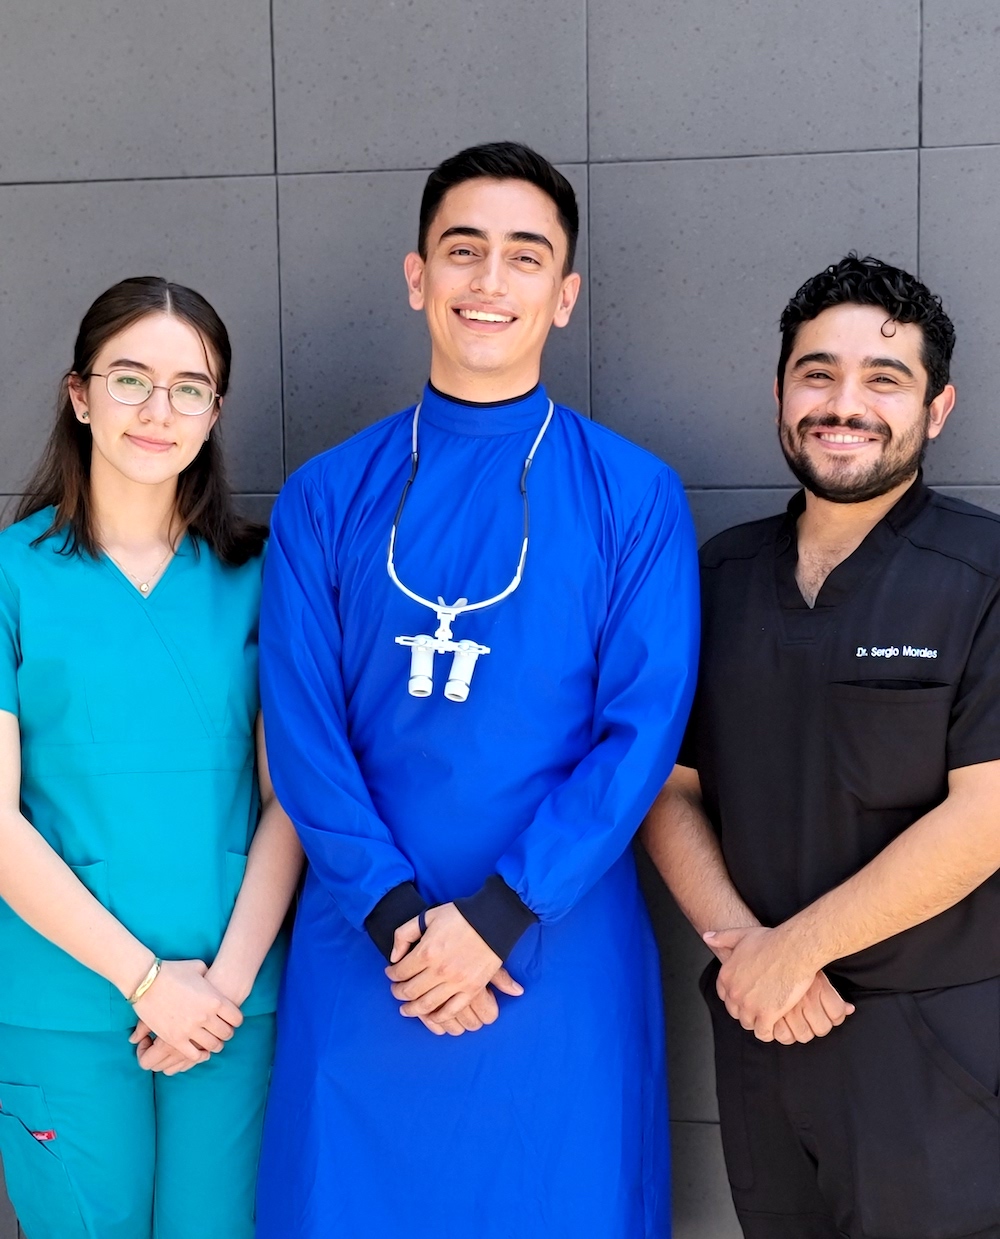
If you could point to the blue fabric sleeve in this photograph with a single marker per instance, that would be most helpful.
(314, 771)
(10, 647)
(647, 664)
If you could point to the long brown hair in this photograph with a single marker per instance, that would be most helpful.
(61, 480)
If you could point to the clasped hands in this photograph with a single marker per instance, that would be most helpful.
(190, 1015)
(444, 977)
(771, 988)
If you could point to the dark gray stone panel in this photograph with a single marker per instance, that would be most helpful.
(354, 350)
(689, 1031)
(8, 504)
(758, 77)
(255, 507)
(109, 90)
(961, 91)
(566, 363)
(960, 260)
(693, 262)
(64, 244)
(703, 1206)
(715, 510)
(983, 496)
(373, 84)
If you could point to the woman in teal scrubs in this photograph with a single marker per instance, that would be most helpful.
(145, 865)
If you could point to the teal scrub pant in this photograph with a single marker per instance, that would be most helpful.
(94, 1147)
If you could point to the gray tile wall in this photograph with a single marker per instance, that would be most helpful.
(271, 153)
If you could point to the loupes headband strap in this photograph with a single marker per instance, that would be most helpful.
(424, 647)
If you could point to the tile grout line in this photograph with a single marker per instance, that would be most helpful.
(691, 488)
(920, 75)
(589, 163)
(277, 244)
(747, 155)
(274, 93)
(920, 129)
(281, 328)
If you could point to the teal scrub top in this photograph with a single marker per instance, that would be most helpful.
(137, 739)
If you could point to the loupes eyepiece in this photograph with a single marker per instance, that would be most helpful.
(462, 667)
(421, 682)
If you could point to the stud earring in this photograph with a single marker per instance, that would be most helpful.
(84, 416)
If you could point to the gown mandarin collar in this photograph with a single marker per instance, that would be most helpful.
(503, 417)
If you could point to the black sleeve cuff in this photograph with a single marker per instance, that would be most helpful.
(497, 915)
(395, 908)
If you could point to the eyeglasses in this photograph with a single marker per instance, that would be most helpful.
(129, 387)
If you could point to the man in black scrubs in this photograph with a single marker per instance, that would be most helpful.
(834, 829)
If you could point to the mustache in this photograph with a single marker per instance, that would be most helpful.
(830, 421)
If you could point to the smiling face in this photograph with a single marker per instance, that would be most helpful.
(492, 286)
(852, 420)
(148, 443)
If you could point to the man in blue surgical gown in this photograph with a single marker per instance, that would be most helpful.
(478, 642)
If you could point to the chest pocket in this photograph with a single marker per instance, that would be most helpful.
(888, 745)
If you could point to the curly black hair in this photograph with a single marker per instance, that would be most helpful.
(869, 281)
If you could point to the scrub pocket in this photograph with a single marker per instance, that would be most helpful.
(925, 1132)
(889, 745)
(37, 1181)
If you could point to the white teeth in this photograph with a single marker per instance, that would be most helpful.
(480, 316)
(833, 438)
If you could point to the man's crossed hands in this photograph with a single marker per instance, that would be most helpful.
(445, 977)
(772, 989)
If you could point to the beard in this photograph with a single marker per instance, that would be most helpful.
(842, 481)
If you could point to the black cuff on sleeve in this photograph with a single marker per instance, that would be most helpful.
(497, 915)
(395, 908)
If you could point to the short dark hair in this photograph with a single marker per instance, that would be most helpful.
(869, 281)
(502, 161)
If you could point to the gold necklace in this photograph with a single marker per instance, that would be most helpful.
(144, 586)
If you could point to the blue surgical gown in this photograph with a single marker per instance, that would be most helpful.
(550, 1123)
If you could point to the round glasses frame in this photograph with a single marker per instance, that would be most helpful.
(146, 388)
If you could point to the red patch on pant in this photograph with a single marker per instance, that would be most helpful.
(44, 1135)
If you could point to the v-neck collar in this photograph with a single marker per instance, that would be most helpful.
(850, 573)
(126, 581)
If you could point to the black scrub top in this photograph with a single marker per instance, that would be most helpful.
(821, 734)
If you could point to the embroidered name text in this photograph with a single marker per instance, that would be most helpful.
(894, 651)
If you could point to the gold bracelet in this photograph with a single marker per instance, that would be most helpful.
(146, 981)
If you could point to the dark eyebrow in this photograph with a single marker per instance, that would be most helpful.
(126, 363)
(888, 363)
(531, 238)
(815, 359)
(869, 363)
(524, 238)
(194, 374)
(460, 230)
